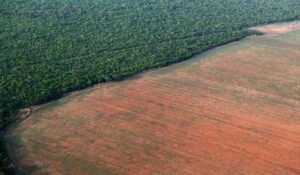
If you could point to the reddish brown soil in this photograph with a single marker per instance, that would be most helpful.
(233, 110)
(279, 28)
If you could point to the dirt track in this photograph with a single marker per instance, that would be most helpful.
(232, 110)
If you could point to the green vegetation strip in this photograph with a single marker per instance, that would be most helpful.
(51, 47)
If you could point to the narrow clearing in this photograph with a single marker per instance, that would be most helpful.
(232, 110)
(278, 28)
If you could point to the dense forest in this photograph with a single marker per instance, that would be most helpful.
(51, 47)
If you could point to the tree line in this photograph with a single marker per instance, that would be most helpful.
(51, 47)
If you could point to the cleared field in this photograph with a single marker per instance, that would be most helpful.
(232, 110)
(278, 28)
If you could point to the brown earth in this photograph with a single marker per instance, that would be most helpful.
(232, 110)
(278, 28)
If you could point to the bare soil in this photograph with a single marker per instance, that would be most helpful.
(232, 110)
(278, 28)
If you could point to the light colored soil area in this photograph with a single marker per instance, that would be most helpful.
(278, 28)
(233, 110)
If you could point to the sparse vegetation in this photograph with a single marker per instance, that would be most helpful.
(52, 47)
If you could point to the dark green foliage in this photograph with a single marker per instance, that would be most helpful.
(50, 47)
